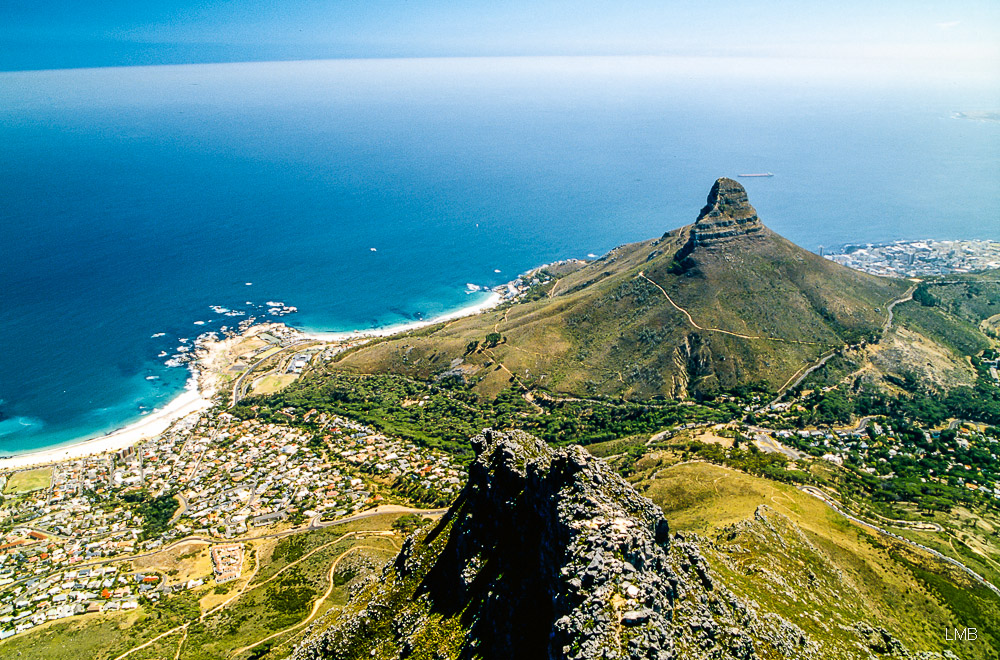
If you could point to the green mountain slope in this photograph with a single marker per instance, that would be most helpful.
(712, 306)
(836, 580)
(549, 554)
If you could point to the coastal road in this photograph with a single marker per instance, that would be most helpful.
(860, 426)
(797, 378)
(238, 384)
(766, 443)
(919, 525)
(181, 510)
(891, 306)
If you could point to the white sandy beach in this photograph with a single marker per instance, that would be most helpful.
(492, 301)
(201, 391)
(198, 395)
(189, 402)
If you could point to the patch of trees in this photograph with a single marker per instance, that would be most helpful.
(290, 597)
(409, 523)
(290, 548)
(156, 512)
(452, 414)
(751, 460)
(923, 296)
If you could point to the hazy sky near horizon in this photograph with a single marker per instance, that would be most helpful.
(82, 33)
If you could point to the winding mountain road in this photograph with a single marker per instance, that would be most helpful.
(892, 306)
(798, 377)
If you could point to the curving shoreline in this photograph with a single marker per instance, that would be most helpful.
(192, 400)
(199, 393)
(490, 302)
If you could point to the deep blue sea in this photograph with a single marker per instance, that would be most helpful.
(132, 200)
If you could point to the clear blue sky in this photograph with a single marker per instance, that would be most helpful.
(73, 33)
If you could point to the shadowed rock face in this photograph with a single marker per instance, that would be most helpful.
(548, 554)
(727, 215)
(561, 535)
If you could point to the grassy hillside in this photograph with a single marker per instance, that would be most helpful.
(755, 308)
(793, 554)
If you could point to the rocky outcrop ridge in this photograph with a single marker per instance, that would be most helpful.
(727, 215)
(549, 554)
(726, 218)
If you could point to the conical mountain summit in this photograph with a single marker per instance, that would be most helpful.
(728, 214)
(705, 308)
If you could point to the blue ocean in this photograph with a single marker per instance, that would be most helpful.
(136, 203)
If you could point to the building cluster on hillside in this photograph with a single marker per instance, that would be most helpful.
(30, 602)
(921, 258)
(230, 477)
(517, 288)
(962, 457)
(227, 562)
(993, 364)
(435, 471)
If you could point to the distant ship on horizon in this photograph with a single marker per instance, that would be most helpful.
(758, 174)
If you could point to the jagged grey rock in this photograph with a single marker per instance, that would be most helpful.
(549, 554)
(728, 214)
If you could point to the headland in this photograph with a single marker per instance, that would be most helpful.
(212, 358)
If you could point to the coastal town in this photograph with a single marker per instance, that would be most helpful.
(919, 258)
(74, 531)
(76, 527)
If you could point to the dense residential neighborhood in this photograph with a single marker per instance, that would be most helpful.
(210, 476)
(920, 258)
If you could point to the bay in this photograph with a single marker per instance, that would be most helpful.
(134, 199)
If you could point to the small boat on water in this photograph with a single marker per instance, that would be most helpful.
(758, 174)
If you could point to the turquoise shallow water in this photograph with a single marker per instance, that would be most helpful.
(133, 200)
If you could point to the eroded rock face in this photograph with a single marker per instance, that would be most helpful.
(590, 552)
(726, 218)
(727, 214)
(549, 554)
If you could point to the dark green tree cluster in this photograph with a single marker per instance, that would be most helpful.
(406, 524)
(156, 512)
(450, 414)
(750, 460)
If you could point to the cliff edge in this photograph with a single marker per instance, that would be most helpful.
(549, 554)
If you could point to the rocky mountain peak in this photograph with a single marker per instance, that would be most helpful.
(727, 215)
(548, 554)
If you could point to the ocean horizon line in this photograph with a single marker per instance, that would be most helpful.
(866, 67)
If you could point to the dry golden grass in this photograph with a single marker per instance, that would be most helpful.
(273, 383)
(862, 575)
(191, 560)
